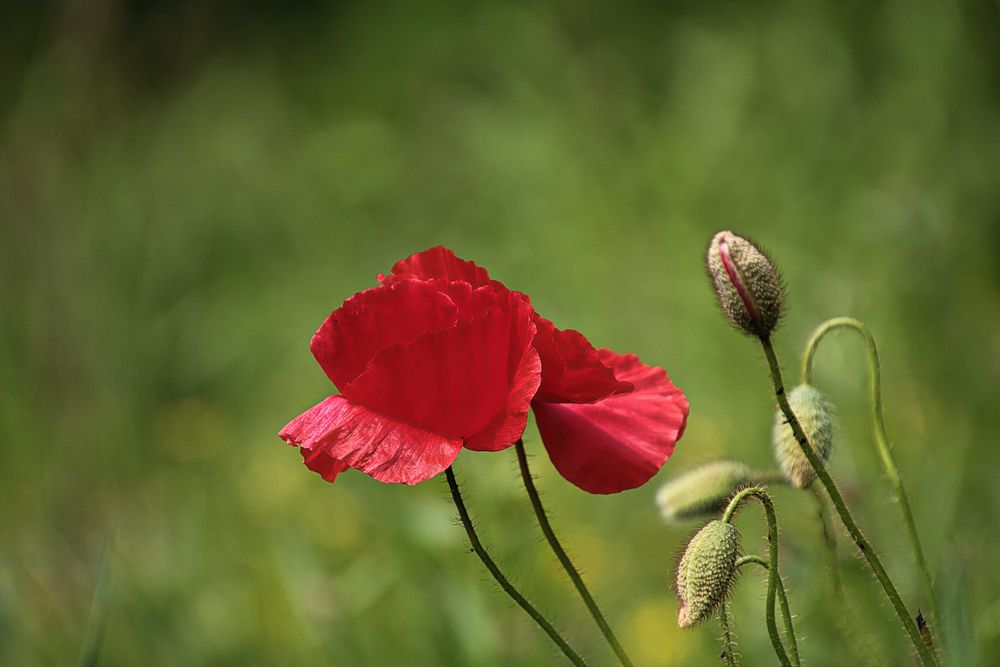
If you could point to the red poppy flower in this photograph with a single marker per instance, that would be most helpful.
(619, 441)
(424, 367)
(412, 396)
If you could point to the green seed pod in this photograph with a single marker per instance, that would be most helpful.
(746, 284)
(815, 414)
(705, 572)
(703, 491)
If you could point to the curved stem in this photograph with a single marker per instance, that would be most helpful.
(728, 641)
(881, 439)
(574, 575)
(926, 655)
(772, 550)
(752, 559)
(505, 584)
(847, 618)
(786, 614)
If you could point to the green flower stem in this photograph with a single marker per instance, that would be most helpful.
(728, 641)
(505, 584)
(846, 617)
(881, 439)
(574, 574)
(927, 657)
(786, 614)
(772, 580)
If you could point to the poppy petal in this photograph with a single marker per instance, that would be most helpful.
(320, 462)
(375, 319)
(386, 449)
(437, 262)
(572, 369)
(456, 381)
(619, 442)
(508, 424)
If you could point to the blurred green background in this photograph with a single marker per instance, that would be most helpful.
(188, 189)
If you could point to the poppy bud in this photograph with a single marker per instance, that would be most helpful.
(705, 573)
(701, 491)
(746, 284)
(815, 414)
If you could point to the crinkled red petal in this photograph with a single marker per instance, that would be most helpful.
(375, 319)
(456, 381)
(320, 462)
(619, 442)
(387, 449)
(437, 262)
(572, 369)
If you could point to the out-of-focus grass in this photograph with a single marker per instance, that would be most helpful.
(186, 192)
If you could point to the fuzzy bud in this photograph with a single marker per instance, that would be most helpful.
(815, 414)
(705, 573)
(702, 491)
(746, 284)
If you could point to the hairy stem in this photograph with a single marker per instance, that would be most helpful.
(846, 617)
(505, 584)
(564, 560)
(927, 657)
(760, 495)
(881, 439)
(728, 641)
(786, 614)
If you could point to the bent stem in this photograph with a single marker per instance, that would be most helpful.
(728, 641)
(927, 657)
(881, 439)
(505, 584)
(759, 494)
(848, 620)
(574, 574)
(786, 614)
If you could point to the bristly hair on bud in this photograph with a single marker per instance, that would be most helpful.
(706, 572)
(747, 285)
(702, 491)
(815, 413)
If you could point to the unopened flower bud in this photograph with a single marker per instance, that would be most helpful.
(705, 573)
(746, 283)
(815, 415)
(702, 491)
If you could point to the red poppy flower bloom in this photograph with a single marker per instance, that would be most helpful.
(440, 356)
(424, 367)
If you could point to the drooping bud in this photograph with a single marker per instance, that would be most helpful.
(705, 572)
(815, 415)
(746, 284)
(702, 491)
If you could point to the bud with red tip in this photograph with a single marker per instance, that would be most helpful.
(746, 283)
